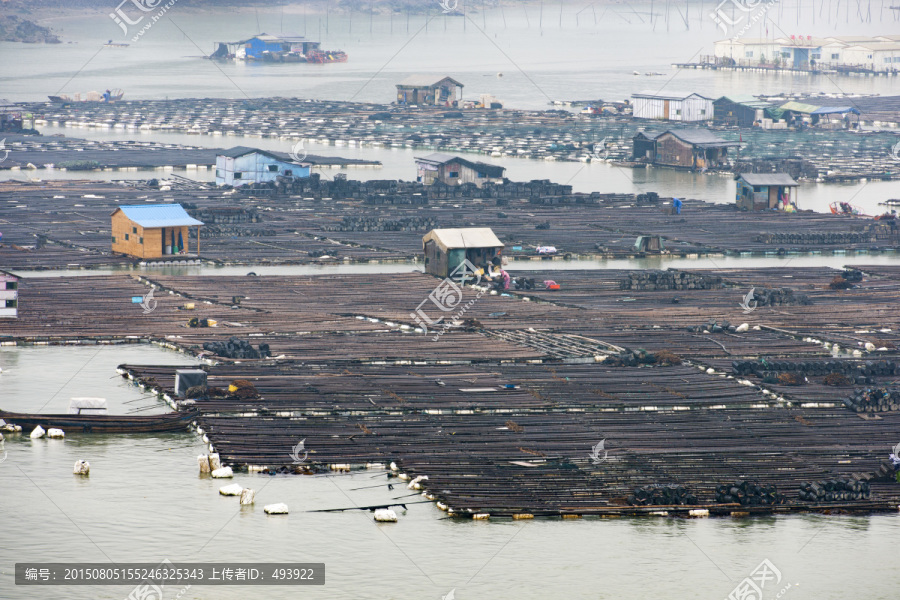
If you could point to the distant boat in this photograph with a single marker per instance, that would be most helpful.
(845, 208)
(112, 44)
(93, 96)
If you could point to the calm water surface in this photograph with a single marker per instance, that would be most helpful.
(144, 502)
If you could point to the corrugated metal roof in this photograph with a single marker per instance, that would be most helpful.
(670, 95)
(698, 137)
(768, 179)
(426, 80)
(835, 110)
(158, 215)
(799, 107)
(470, 237)
(439, 158)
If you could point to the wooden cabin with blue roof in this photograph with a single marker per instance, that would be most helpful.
(153, 231)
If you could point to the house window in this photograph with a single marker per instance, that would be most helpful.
(678, 112)
(481, 176)
(219, 173)
(12, 303)
(453, 174)
(114, 239)
(134, 230)
(785, 55)
(126, 237)
(869, 55)
(757, 188)
(816, 56)
(141, 241)
(237, 174)
(835, 56)
(702, 111)
(273, 168)
(11, 285)
(748, 54)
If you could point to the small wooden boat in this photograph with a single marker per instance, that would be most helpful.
(172, 421)
(845, 208)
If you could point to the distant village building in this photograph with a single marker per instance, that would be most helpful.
(446, 249)
(153, 230)
(9, 295)
(242, 165)
(761, 191)
(671, 106)
(429, 89)
(740, 110)
(879, 53)
(690, 149)
(455, 170)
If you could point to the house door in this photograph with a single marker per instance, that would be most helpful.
(162, 238)
(665, 109)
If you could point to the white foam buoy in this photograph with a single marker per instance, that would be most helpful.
(415, 485)
(82, 467)
(37, 432)
(247, 496)
(394, 467)
(699, 512)
(403, 477)
(276, 509)
(56, 433)
(385, 515)
(742, 328)
(222, 473)
(1, 438)
(214, 462)
(12, 428)
(203, 461)
(231, 490)
(710, 371)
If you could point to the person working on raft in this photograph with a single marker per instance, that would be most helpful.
(676, 204)
(501, 284)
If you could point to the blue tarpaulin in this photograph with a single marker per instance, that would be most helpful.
(832, 110)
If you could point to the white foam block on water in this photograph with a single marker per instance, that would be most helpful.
(385, 515)
(247, 496)
(276, 509)
(203, 461)
(82, 467)
(231, 490)
(37, 432)
(56, 433)
(223, 473)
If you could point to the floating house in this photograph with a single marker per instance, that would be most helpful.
(153, 231)
(9, 295)
(671, 106)
(446, 249)
(429, 89)
(740, 110)
(455, 170)
(276, 48)
(242, 165)
(761, 191)
(815, 115)
(689, 149)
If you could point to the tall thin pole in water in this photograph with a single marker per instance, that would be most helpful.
(541, 18)
(371, 16)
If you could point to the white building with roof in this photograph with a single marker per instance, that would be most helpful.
(671, 106)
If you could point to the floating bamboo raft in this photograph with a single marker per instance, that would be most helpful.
(173, 421)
